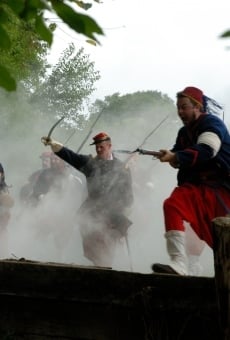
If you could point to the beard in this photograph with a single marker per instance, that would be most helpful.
(192, 119)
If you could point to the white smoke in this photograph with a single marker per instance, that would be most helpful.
(50, 233)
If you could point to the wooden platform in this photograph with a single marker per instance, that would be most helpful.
(41, 301)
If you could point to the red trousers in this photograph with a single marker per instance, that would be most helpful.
(197, 205)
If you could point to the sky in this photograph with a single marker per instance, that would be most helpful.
(157, 45)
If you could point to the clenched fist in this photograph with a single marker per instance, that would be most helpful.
(55, 146)
(46, 140)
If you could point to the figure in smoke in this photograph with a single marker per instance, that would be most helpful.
(103, 215)
(54, 184)
(6, 203)
(27, 189)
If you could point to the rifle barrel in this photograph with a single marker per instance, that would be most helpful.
(150, 152)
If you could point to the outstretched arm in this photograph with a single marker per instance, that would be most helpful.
(55, 146)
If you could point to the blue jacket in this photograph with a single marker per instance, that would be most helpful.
(196, 161)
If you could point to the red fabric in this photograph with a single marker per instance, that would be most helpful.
(197, 205)
(100, 136)
(193, 93)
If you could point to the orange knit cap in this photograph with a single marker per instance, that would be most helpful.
(100, 137)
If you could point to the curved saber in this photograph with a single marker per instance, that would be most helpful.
(52, 129)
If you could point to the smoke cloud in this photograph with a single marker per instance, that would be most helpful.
(49, 231)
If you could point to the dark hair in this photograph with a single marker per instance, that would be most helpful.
(194, 102)
(3, 185)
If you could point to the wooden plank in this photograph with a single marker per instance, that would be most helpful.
(221, 231)
(56, 301)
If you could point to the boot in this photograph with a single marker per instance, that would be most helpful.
(194, 266)
(175, 241)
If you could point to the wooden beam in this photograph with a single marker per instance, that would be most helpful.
(58, 301)
(221, 234)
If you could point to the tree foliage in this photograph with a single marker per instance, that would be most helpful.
(131, 117)
(30, 15)
(67, 88)
(131, 106)
(44, 96)
(24, 52)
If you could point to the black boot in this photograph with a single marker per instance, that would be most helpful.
(176, 251)
(163, 269)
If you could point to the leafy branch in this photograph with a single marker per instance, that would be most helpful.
(32, 12)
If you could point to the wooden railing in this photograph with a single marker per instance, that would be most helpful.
(221, 232)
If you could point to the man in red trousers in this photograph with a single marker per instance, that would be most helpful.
(202, 156)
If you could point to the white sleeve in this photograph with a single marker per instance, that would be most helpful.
(211, 139)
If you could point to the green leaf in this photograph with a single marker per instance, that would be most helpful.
(32, 8)
(6, 81)
(16, 6)
(80, 23)
(5, 40)
(225, 34)
(83, 5)
(43, 31)
(3, 16)
(92, 42)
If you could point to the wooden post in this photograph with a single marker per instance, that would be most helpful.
(221, 236)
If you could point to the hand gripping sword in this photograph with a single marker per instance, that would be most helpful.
(45, 139)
